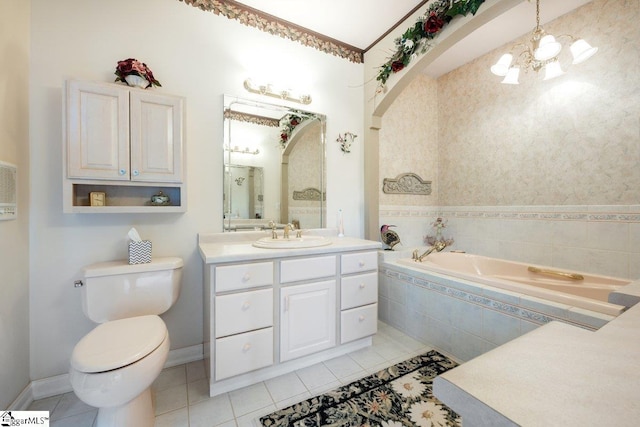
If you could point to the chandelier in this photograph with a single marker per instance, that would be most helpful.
(541, 53)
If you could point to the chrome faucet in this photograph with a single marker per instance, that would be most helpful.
(437, 246)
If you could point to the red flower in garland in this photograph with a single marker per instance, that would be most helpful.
(433, 24)
(397, 66)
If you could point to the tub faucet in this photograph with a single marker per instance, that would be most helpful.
(437, 246)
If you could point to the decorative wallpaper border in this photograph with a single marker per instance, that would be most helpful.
(528, 213)
(279, 27)
(251, 118)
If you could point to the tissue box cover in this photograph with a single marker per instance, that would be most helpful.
(140, 252)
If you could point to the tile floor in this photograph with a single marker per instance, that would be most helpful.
(181, 393)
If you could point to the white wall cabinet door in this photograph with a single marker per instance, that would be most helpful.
(118, 133)
(308, 319)
(98, 131)
(156, 137)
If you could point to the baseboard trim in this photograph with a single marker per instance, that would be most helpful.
(60, 384)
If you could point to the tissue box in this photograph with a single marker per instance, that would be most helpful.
(140, 252)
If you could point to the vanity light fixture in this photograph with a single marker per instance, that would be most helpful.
(270, 90)
(245, 150)
(541, 53)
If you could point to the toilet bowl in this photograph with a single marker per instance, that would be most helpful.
(113, 366)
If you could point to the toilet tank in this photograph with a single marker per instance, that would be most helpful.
(117, 290)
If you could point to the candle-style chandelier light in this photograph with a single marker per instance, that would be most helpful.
(540, 54)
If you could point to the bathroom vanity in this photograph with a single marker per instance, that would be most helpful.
(272, 311)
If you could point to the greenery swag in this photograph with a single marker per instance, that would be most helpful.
(415, 39)
(288, 124)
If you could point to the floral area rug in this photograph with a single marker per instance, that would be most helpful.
(398, 396)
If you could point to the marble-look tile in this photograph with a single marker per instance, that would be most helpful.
(345, 366)
(47, 404)
(170, 399)
(249, 399)
(197, 391)
(285, 386)
(499, 328)
(211, 412)
(170, 377)
(315, 376)
(70, 405)
(196, 371)
(177, 418)
(85, 419)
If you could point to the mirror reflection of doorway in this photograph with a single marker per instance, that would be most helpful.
(246, 198)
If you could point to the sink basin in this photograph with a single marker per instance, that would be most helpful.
(292, 242)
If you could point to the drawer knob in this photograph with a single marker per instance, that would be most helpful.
(361, 285)
(246, 347)
(361, 318)
(246, 305)
(246, 277)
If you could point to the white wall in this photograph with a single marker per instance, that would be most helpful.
(195, 54)
(14, 234)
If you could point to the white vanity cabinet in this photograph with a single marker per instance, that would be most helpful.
(359, 296)
(307, 310)
(270, 314)
(125, 142)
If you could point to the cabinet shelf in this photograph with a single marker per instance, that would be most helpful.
(122, 197)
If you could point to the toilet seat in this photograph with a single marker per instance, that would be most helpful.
(118, 343)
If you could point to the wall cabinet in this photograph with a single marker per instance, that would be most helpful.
(123, 141)
(267, 317)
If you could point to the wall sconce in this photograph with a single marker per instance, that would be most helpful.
(245, 150)
(270, 90)
(541, 54)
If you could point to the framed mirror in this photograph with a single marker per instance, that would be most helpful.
(274, 166)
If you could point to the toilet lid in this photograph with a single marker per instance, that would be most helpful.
(118, 343)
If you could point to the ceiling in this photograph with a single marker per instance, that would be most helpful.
(360, 23)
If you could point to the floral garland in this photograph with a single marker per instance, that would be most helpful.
(415, 39)
(288, 124)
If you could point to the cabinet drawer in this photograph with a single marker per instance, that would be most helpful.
(243, 276)
(243, 312)
(242, 353)
(361, 261)
(358, 323)
(307, 268)
(359, 290)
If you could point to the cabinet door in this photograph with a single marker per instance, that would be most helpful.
(97, 131)
(156, 137)
(308, 319)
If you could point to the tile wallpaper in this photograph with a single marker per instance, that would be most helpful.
(409, 140)
(574, 140)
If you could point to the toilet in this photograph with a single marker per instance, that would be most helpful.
(114, 365)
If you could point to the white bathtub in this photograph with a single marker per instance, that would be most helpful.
(591, 293)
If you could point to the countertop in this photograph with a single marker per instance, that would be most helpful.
(234, 247)
(556, 375)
